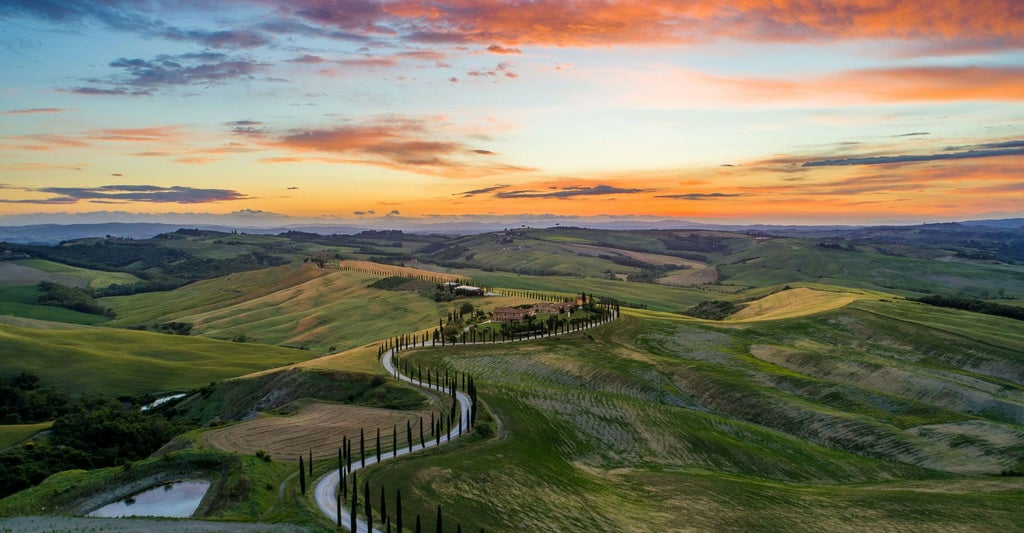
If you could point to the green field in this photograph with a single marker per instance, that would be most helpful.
(828, 402)
(844, 420)
(12, 434)
(95, 279)
(293, 305)
(658, 297)
(115, 362)
(19, 301)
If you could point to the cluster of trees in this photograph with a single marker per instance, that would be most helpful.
(977, 306)
(159, 266)
(87, 432)
(23, 401)
(71, 298)
(713, 310)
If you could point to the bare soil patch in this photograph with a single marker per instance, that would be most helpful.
(318, 427)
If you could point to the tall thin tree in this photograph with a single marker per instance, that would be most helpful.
(368, 506)
(398, 510)
(302, 476)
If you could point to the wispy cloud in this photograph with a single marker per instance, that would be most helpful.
(402, 143)
(485, 190)
(569, 192)
(129, 193)
(36, 111)
(997, 149)
(697, 196)
(143, 77)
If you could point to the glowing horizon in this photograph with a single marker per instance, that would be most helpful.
(852, 111)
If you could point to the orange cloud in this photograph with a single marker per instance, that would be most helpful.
(402, 144)
(602, 23)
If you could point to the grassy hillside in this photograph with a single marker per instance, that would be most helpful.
(114, 362)
(847, 419)
(293, 305)
(94, 279)
(11, 434)
(20, 301)
(778, 261)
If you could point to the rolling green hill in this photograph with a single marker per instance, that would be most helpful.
(659, 422)
(296, 305)
(825, 401)
(122, 362)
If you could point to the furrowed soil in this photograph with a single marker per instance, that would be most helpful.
(318, 427)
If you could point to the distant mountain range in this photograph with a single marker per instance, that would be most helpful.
(55, 233)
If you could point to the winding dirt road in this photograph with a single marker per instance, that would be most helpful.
(327, 487)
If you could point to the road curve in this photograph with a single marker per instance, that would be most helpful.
(327, 487)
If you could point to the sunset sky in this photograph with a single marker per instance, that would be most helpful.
(784, 111)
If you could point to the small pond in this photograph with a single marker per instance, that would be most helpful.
(175, 500)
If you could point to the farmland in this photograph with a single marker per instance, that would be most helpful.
(822, 399)
(660, 417)
(316, 428)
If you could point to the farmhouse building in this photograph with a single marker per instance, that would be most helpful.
(554, 308)
(509, 314)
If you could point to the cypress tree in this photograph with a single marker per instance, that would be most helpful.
(394, 440)
(408, 436)
(355, 504)
(422, 444)
(439, 527)
(337, 502)
(398, 511)
(418, 529)
(310, 465)
(368, 506)
(362, 448)
(378, 444)
(387, 528)
(383, 505)
(302, 476)
(340, 460)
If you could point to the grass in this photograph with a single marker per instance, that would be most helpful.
(322, 310)
(657, 297)
(779, 261)
(12, 434)
(19, 301)
(244, 488)
(114, 362)
(95, 279)
(666, 422)
(794, 303)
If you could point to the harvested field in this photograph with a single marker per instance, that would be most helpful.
(795, 302)
(392, 270)
(696, 276)
(646, 257)
(318, 427)
(15, 274)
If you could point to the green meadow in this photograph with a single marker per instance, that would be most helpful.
(827, 401)
(116, 362)
(844, 420)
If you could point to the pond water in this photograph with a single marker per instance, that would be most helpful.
(161, 401)
(175, 500)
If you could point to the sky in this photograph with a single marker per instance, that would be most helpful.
(752, 111)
